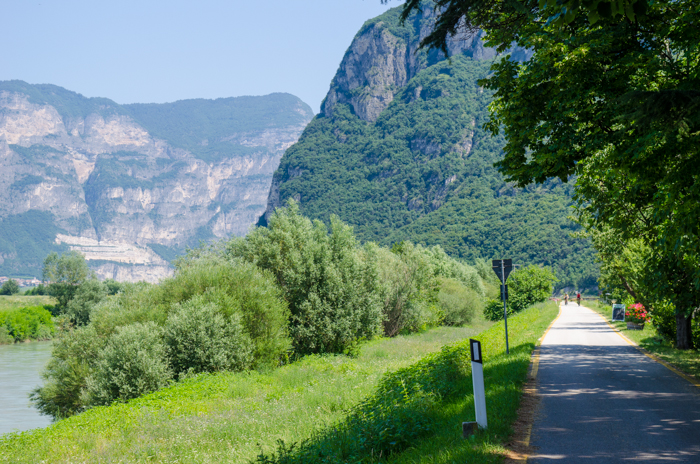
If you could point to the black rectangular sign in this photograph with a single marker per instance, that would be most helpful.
(618, 312)
(502, 268)
(475, 348)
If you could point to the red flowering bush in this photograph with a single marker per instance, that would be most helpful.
(636, 313)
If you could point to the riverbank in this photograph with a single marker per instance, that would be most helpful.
(233, 417)
(25, 318)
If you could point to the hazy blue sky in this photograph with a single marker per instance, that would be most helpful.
(147, 51)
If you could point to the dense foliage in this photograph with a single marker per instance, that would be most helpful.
(294, 288)
(529, 285)
(423, 172)
(11, 287)
(613, 99)
(18, 325)
(331, 288)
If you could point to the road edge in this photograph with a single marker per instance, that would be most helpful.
(531, 388)
(651, 356)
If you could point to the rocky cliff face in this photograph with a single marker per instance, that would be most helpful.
(382, 58)
(399, 152)
(126, 196)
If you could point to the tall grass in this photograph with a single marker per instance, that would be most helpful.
(228, 417)
(419, 409)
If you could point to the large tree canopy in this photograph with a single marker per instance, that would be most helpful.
(611, 97)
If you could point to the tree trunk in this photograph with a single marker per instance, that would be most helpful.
(684, 334)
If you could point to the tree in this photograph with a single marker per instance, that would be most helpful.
(64, 274)
(530, 285)
(612, 99)
(9, 288)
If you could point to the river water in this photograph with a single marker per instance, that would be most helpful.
(21, 365)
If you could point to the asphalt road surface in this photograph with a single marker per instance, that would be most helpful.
(604, 401)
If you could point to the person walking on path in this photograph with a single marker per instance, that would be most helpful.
(578, 298)
(566, 299)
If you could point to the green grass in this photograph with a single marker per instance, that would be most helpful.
(227, 417)
(21, 301)
(415, 414)
(687, 361)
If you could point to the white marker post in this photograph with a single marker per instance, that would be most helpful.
(469, 428)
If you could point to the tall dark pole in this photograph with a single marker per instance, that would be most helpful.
(505, 308)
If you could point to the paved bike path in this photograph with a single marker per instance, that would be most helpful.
(602, 400)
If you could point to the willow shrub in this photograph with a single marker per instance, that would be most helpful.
(198, 338)
(459, 303)
(238, 289)
(73, 358)
(132, 363)
(407, 289)
(330, 287)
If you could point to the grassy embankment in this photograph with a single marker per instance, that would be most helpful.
(231, 417)
(687, 361)
(24, 318)
(23, 301)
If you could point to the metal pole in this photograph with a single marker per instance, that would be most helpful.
(505, 308)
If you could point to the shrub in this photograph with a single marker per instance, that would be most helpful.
(449, 268)
(113, 287)
(65, 376)
(331, 290)
(198, 338)
(529, 285)
(86, 296)
(407, 288)
(38, 290)
(235, 287)
(32, 322)
(663, 318)
(131, 364)
(9, 288)
(5, 337)
(493, 310)
(459, 303)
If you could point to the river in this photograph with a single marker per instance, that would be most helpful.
(21, 365)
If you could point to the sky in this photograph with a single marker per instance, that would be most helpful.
(162, 51)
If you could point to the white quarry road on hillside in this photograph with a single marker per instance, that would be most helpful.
(602, 400)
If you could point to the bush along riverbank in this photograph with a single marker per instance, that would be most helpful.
(229, 416)
(22, 324)
(394, 401)
(293, 289)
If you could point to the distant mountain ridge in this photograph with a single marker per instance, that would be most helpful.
(399, 153)
(130, 185)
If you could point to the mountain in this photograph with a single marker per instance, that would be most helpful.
(398, 151)
(131, 186)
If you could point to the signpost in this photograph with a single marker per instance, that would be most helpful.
(502, 268)
(618, 312)
(469, 428)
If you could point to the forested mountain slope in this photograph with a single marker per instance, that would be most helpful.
(399, 152)
(130, 185)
